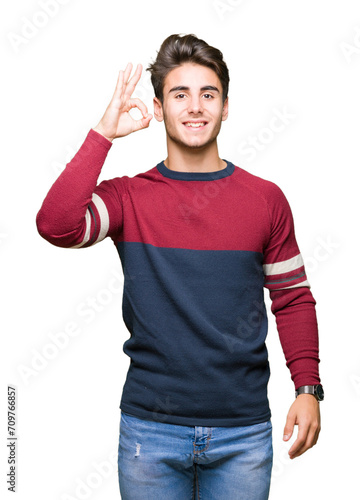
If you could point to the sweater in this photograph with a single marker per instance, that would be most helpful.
(197, 250)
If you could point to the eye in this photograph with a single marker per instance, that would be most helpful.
(179, 96)
(208, 96)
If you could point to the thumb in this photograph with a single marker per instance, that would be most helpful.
(142, 123)
(289, 427)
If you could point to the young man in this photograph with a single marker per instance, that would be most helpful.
(198, 239)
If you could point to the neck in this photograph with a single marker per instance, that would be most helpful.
(192, 159)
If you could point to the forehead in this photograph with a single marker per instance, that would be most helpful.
(191, 75)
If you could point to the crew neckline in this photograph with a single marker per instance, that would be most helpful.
(196, 176)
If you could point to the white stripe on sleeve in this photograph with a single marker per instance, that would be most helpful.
(285, 266)
(87, 230)
(103, 221)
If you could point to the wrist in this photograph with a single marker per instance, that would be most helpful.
(99, 130)
(315, 390)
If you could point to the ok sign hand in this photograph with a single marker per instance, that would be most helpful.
(117, 121)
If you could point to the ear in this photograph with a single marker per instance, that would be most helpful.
(225, 111)
(158, 110)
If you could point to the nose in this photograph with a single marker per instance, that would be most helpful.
(195, 105)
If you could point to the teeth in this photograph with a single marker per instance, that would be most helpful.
(199, 124)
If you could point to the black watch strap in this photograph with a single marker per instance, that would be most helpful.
(316, 390)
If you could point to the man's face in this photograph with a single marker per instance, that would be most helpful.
(193, 108)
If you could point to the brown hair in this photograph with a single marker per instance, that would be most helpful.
(177, 50)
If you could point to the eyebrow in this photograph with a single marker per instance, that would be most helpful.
(182, 87)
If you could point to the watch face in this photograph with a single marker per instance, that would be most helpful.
(319, 392)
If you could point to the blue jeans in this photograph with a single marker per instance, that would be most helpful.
(160, 461)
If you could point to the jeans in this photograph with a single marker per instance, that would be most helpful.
(160, 461)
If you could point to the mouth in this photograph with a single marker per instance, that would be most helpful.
(195, 125)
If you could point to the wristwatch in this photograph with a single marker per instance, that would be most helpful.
(316, 390)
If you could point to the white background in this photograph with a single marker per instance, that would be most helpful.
(59, 70)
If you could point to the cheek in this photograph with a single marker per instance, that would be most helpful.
(172, 116)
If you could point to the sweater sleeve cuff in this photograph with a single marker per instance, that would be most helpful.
(93, 135)
(305, 372)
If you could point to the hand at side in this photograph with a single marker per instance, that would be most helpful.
(305, 413)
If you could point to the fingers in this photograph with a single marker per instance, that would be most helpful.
(125, 85)
(131, 84)
(137, 103)
(119, 87)
(305, 413)
(307, 438)
(289, 427)
(145, 121)
(127, 72)
(299, 444)
(142, 123)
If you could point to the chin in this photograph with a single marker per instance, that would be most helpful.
(202, 144)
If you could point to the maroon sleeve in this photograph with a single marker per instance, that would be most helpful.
(292, 301)
(76, 212)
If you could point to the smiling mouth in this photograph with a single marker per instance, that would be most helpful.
(195, 124)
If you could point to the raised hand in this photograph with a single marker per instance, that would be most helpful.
(117, 121)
